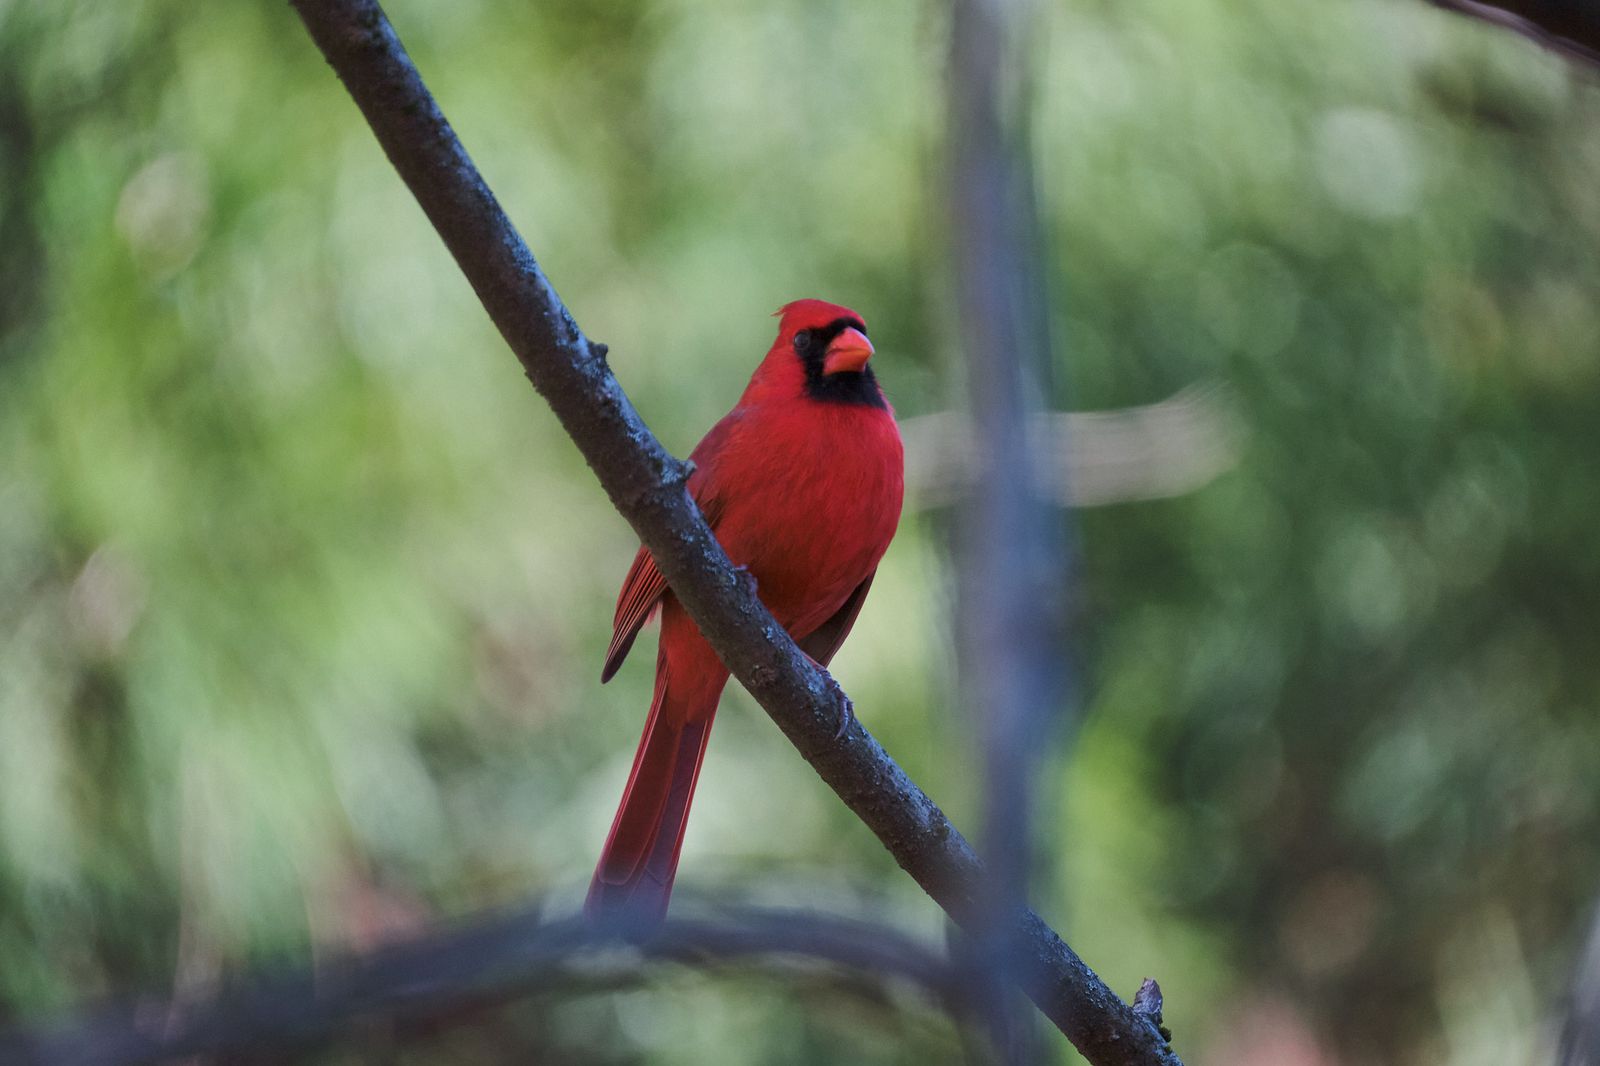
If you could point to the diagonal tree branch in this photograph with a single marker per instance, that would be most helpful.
(647, 486)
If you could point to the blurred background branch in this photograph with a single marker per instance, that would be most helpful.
(1015, 581)
(1580, 1030)
(1089, 458)
(450, 977)
(1570, 27)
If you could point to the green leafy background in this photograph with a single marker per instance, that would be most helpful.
(303, 592)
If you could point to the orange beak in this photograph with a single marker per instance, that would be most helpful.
(849, 351)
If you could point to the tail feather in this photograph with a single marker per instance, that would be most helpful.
(640, 858)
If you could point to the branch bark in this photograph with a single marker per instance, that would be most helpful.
(647, 486)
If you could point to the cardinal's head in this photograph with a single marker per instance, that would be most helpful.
(824, 348)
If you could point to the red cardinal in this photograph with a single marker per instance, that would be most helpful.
(802, 483)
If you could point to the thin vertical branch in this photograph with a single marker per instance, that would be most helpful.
(1014, 572)
(1580, 1032)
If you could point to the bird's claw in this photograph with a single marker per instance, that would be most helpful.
(847, 706)
(847, 714)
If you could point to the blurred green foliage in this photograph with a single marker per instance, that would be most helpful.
(303, 593)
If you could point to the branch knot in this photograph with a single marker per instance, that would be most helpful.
(1147, 1003)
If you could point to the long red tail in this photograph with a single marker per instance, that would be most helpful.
(640, 858)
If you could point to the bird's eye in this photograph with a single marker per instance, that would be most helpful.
(802, 340)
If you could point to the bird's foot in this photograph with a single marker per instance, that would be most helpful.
(847, 706)
(847, 713)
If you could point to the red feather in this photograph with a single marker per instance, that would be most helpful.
(802, 485)
(641, 593)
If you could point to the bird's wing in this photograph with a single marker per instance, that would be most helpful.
(822, 642)
(641, 593)
(644, 586)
